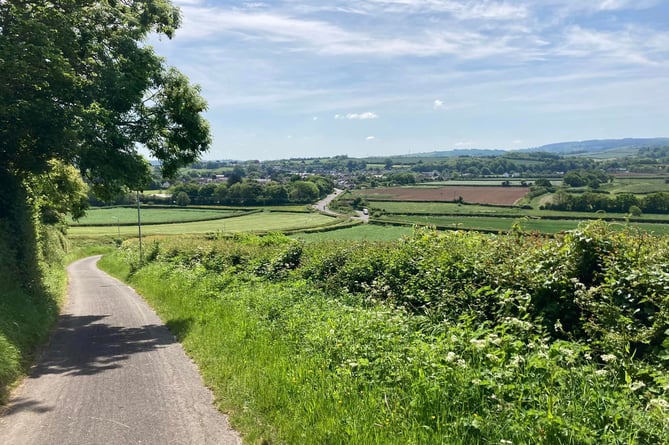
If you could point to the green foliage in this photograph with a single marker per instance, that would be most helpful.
(80, 86)
(30, 293)
(182, 199)
(439, 338)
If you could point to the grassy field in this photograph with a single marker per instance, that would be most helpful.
(367, 232)
(128, 215)
(637, 185)
(256, 222)
(434, 208)
(506, 224)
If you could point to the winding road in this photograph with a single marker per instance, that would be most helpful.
(322, 206)
(112, 374)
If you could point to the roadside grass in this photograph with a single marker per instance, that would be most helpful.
(28, 311)
(256, 222)
(454, 338)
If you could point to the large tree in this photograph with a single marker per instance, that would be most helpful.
(79, 85)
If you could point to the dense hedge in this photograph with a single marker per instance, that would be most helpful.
(436, 338)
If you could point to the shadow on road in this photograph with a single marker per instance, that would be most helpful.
(20, 404)
(83, 345)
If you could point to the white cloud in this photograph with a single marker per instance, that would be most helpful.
(358, 116)
(315, 118)
(464, 144)
(629, 45)
(438, 104)
(370, 138)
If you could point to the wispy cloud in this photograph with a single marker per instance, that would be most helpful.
(415, 61)
(358, 116)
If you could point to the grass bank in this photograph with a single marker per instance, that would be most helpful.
(29, 303)
(457, 338)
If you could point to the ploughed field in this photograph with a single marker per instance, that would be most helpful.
(470, 194)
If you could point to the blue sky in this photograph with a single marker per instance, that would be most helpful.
(299, 78)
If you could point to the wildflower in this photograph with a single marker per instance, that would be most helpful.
(516, 360)
(451, 356)
(505, 442)
(601, 372)
(635, 386)
(478, 344)
(608, 357)
(659, 403)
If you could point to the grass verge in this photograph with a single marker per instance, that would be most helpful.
(454, 338)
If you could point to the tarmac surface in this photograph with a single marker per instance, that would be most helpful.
(112, 374)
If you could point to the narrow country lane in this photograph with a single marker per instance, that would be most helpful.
(112, 374)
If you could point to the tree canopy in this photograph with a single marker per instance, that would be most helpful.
(79, 85)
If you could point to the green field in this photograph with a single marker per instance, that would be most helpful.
(367, 232)
(499, 224)
(128, 215)
(256, 222)
(446, 208)
(637, 185)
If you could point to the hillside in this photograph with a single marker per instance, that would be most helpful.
(619, 147)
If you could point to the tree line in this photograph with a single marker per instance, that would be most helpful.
(620, 203)
(252, 192)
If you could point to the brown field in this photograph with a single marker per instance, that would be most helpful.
(475, 195)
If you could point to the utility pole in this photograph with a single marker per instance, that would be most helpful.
(118, 228)
(139, 228)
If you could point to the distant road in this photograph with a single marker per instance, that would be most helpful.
(322, 206)
(113, 374)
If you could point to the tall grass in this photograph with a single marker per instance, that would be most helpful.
(438, 338)
(29, 301)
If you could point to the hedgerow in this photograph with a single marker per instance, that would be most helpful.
(446, 337)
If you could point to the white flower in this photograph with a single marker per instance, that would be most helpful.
(608, 358)
(451, 356)
(659, 403)
(478, 344)
(516, 360)
(637, 385)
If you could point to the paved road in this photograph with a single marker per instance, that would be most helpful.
(113, 374)
(322, 206)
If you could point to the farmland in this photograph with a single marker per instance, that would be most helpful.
(497, 208)
(252, 222)
(471, 194)
(105, 216)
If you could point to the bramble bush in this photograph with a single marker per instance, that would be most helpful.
(449, 337)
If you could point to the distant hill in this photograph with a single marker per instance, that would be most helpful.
(600, 145)
(615, 147)
(473, 152)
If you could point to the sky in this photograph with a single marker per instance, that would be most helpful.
(299, 78)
